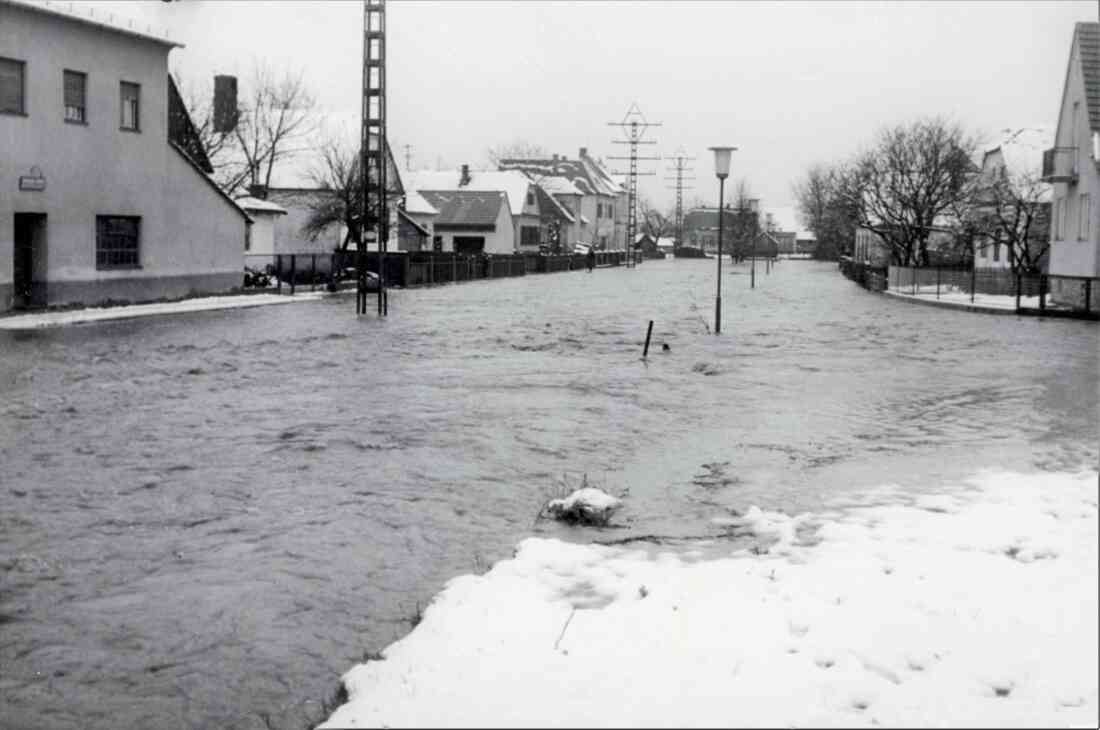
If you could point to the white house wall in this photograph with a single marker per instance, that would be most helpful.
(191, 238)
(1068, 255)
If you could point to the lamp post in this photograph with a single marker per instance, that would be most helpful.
(754, 209)
(722, 170)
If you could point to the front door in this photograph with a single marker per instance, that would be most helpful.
(29, 260)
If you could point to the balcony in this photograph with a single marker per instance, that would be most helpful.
(1060, 165)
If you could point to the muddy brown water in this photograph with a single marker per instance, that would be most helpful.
(207, 518)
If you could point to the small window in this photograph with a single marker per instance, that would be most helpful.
(530, 197)
(1083, 218)
(12, 86)
(117, 242)
(996, 250)
(130, 95)
(75, 87)
(248, 238)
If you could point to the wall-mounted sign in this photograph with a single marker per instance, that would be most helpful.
(34, 182)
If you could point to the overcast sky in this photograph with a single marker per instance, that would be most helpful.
(789, 83)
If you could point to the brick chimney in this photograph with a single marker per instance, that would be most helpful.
(258, 191)
(555, 157)
(584, 151)
(464, 178)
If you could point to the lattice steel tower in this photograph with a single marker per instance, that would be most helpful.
(372, 150)
(679, 158)
(634, 126)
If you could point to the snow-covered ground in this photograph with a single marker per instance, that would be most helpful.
(962, 298)
(977, 607)
(98, 314)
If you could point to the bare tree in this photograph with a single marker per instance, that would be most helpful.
(825, 211)
(337, 173)
(199, 100)
(1012, 210)
(277, 115)
(902, 188)
(517, 149)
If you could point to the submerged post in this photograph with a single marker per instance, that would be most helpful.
(648, 334)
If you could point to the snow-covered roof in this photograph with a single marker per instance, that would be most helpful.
(417, 204)
(512, 182)
(664, 242)
(557, 185)
(258, 205)
(101, 16)
(584, 220)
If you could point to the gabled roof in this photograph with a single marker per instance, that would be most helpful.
(405, 217)
(1087, 38)
(416, 204)
(514, 183)
(548, 206)
(260, 206)
(556, 185)
(585, 173)
(78, 13)
(465, 207)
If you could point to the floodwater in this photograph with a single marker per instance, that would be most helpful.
(207, 518)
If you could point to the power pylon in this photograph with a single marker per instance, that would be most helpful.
(679, 159)
(634, 126)
(372, 149)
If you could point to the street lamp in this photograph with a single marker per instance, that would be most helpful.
(722, 170)
(754, 208)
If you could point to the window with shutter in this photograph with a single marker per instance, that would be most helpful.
(75, 86)
(131, 99)
(12, 86)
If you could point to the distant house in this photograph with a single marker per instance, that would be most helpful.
(570, 198)
(1071, 167)
(653, 247)
(520, 192)
(417, 226)
(870, 248)
(805, 242)
(603, 203)
(291, 236)
(105, 187)
(701, 229)
(558, 223)
(259, 245)
(786, 241)
(1016, 160)
(472, 222)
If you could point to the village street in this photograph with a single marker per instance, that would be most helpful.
(210, 517)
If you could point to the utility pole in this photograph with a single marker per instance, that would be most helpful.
(634, 126)
(679, 159)
(373, 149)
(408, 157)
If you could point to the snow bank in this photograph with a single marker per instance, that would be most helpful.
(974, 608)
(130, 311)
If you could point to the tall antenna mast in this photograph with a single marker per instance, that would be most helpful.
(633, 126)
(679, 159)
(372, 149)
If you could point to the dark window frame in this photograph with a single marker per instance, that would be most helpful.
(83, 108)
(22, 111)
(112, 251)
(122, 106)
